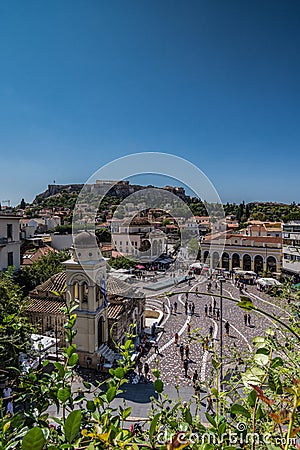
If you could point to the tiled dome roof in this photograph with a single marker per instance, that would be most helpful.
(85, 239)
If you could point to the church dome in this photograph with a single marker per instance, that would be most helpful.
(85, 239)
(85, 248)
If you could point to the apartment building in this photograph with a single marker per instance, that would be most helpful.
(9, 241)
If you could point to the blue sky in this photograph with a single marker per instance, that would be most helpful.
(83, 82)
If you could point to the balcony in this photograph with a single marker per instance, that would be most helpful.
(3, 241)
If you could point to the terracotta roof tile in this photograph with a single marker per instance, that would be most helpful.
(114, 311)
(45, 306)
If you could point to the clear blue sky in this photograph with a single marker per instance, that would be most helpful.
(85, 81)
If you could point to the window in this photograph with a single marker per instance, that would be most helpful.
(84, 292)
(9, 231)
(10, 259)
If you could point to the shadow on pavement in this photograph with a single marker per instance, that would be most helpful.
(138, 393)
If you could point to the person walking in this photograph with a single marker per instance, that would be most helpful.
(197, 389)
(218, 313)
(187, 351)
(171, 309)
(227, 326)
(246, 319)
(146, 370)
(181, 350)
(186, 307)
(156, 347)
(195, 377)
(249, 319)
(193, 308)
(211, 329)
(210, 310)
(140, 368)
(186, 367)
(175, 307)
(205, 310)
(188, 328)
(176, 339)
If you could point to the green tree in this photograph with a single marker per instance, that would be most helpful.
(121, 263)
(103, 234)
(29, 277)
(22, 204)
(14, 326)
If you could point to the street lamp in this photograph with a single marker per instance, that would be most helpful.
(221, 280)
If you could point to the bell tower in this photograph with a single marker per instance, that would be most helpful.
(86, 281)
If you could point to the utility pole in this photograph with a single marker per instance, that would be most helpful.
(221, 332)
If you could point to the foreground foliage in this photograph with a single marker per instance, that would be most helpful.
(256, 409)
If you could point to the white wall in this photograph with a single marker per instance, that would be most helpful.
(13, 245)
(61, 241)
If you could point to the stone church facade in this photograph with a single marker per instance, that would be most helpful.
(105, 306)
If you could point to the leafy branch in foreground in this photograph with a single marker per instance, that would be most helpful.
(265, 398)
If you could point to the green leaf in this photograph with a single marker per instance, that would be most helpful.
(207, 447)
(245, 303)
(126, 413)
(252, 398)
(158, 386)
(215, 364)
(60, 368)
(239, 409)
(188, 416)
(259, 341)
(276, 362)
(128, 344)
(90, 405)
(63, 394)
(119, 373)
(153, 426)
(211, 420)
(73, 359)
(72, 425)
(253, 376)
(274, 383)
(263, 351)
(110, 394)
(33, 440)
(261, 359)
(260, 413)
(71, 349)
(87, 385)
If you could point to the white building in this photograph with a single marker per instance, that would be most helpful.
(291, 249)
(9, 242)
(137, 237)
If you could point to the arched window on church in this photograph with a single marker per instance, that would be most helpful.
(99, 295)
(84, 292)
(76, 291)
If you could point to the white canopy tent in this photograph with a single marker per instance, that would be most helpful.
(268, 282)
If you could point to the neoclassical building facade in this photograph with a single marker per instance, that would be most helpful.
(255, 253)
